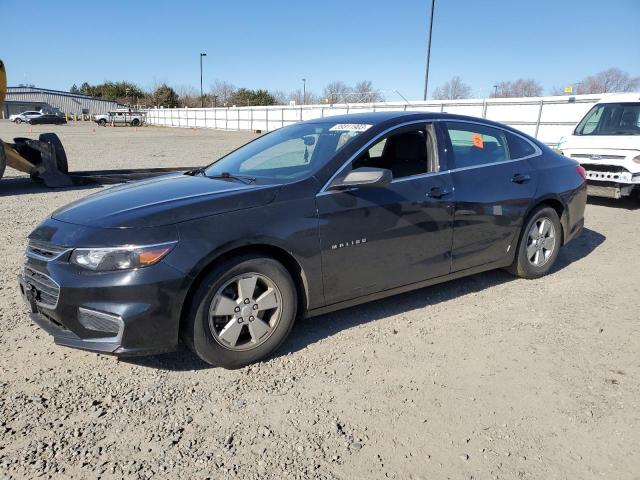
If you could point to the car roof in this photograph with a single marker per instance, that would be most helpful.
(374, 118)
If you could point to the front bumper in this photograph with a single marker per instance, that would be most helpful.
(135, 312)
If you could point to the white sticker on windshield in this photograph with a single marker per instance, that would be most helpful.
(350, 127)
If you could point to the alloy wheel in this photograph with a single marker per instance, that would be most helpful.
(245, 311)
(541, 241)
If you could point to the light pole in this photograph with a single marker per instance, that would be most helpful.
(495, 93)
(304, 91)
(201, 94)
(426, 74)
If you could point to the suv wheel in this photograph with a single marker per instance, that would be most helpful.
(539, 244)
(18, 121)
(241, 312)
(135, 122)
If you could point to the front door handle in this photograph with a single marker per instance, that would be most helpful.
(521, 178)
(437, 192)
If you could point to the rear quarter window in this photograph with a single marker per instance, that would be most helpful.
(519, 147)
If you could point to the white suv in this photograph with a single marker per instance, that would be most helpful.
(607, 144)
(25, 116)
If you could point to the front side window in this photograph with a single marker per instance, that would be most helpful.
(611, 119)
(288, 153)
(474, 144)
(408, 152)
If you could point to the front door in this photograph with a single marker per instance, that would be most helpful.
(373, 239)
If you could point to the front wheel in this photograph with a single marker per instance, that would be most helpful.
(102, 122)
(18, 121)
(539, 244)
(241, 312)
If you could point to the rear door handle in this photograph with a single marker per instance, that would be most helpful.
(437, 192)
(520, 178)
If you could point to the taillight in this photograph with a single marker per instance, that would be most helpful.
(581, 171)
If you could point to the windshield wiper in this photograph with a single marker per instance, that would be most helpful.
(197, 171)
(227, 176)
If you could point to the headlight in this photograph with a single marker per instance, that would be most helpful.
(120, 258)
(637, 159)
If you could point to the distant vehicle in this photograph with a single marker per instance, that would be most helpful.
(47, 119)
(607, 144)
(25, 116)
(121, 117)
(307, 219)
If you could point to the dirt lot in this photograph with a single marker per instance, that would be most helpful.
(480, 378)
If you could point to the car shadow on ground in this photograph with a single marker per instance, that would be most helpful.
(14, 186)
(625, 203)
(311, 330)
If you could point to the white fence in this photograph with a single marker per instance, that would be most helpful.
(546, 118)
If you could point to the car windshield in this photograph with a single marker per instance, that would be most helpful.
(288, 153)
(611, 119)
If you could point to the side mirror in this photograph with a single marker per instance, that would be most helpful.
(364, 177)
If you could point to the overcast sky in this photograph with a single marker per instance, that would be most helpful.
(274, 44)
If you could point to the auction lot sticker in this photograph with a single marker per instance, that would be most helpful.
(350, 127)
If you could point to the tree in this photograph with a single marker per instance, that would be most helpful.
(607, 81)
(74, 89)
(223, 91)
(165, 96)
(245, 97)
(336, 92)
(454, 89)
(123, 92)
(523, 87)
(364, 92)
(188, 96)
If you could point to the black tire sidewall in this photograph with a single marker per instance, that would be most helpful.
(61, 156)
(3, 160)
(198, 335)
(525, 268)
(135, 122)
(18, 121)
(102, 123)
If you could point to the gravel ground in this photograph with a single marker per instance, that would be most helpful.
(479, 378)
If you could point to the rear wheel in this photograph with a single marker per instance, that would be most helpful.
(135, 122)
(539, 244)
(241, 312)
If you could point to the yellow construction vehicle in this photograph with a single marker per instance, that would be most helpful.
(43, 159)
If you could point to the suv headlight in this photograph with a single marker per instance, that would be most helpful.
(120, 258)
(636, 159)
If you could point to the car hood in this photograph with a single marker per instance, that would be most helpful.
(163, 201)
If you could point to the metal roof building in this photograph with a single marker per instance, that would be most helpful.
(26, 97)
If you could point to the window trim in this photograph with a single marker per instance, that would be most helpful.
(370, 143)
(537, 153)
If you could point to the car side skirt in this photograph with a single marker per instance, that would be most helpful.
(407, 288)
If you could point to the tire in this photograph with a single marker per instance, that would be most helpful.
(18, 121)
(233, 340)
(3, 159)
(102, 122)
(536, 253)
(135, 122)
(61, 156)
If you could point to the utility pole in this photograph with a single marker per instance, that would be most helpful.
(495, 93)
(201, 92)
(304, 91)
(426, 74)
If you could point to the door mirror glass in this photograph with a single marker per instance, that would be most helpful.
(364, 177)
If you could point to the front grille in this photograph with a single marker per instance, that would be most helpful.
(44, 251)
(48, 291)
(605, 168)
(596, 157)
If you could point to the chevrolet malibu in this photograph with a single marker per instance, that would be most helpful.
(308, 219)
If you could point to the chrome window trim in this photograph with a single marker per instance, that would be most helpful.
(370, 143)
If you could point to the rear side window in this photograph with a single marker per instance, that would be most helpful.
(518, 147)
(473, 144)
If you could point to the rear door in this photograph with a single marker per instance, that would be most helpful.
(374, 239)
(494, 186)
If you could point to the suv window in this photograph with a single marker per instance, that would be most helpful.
(406, 153)
(474, 144)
